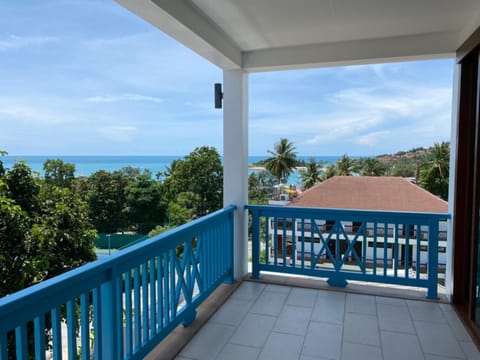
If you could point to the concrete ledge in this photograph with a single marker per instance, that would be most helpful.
(356, 287)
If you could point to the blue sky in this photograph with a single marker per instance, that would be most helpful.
(86, 77)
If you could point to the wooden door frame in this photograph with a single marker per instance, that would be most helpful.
(467, 183)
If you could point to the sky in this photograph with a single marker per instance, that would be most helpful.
(74, 83)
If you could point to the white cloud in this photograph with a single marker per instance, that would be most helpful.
(372, 139)
(118, 133)
(341, 129)
(124, 97)
(31, 114)
(13, 42)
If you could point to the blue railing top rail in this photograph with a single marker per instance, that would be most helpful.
(345, 214)
(38, 298)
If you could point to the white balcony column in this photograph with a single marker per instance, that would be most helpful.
(451, 182)
(235, 160)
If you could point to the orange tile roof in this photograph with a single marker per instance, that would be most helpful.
(371, 193)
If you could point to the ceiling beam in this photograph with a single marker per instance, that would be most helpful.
(188, 25)
(381, 50)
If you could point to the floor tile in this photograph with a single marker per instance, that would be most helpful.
(398, 346)
(253, 330)
(390, 301)
(248, 291)
(446, 307)
(208, 342)
(232, 312)
(238, 352)
(293, 320)
(361, 329)
(323, 339)
(470, 350)
(302, 297)
(395, 318)
(279, 322)
(456, 325)
(438, 339)
(425, 311)
(329, 307)
(437, 357)
(269, 303)
(278, 288)
(360, 352)
(282, 347)
(362, 304)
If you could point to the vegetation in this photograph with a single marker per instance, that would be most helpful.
(195, 182)
(434, 172)
(345, 166)
(260, 187)
(283, 160)
(312, 175)
(429, 167)
(371, 167)
(44, 229)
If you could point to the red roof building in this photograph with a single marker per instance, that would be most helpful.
(371, 193)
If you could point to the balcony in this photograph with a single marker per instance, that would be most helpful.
(129, 306)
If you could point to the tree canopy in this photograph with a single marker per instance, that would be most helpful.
(200, 173)
(282, 161)
(44, 230)
(371, 167)
(312, 175)
(434, 174)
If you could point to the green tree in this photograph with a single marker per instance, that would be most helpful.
(106, 200)
(200, 173)
(144, 204)
(59, 173)
(62, 234)
(15, 266)
(260, 187)
(2, 168)
(345, 166)
(312, 175)
(402, 167)
(23, 187)
(371, 167)
(44, 230)
(435, 172)
(159, 229)
(330, 171)
(283, 160)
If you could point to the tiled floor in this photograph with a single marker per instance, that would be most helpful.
(265, 321)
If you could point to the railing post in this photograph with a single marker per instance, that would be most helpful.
(108, 326)
(231, 219)
(432, 292)
(255, 244)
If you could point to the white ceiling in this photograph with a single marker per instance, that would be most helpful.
(270, 34)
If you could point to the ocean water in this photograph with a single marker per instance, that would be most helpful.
(87, 165)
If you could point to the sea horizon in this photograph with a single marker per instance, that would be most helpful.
(85, 165)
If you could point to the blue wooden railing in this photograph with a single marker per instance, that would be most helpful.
(386, 247)
(122, 306)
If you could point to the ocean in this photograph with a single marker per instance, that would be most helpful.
(87, 165)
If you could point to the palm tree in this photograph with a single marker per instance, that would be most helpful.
(345, 166)
(311, 175)
(330, 171)
(372, 167)
(283, 161)
(435, 173)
